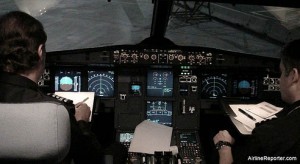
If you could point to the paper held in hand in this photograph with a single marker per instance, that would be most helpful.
(259, 112)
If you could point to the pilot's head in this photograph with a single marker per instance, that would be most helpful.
(290, 72)
(22, 43)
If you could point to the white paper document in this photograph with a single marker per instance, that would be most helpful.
(264, 110)
(150, 137)
(79, 97)
(254, 113)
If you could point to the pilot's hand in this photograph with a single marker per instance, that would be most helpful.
(223, 135)
(82, 112)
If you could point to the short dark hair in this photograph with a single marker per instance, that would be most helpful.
(290, 56)
(20, 37)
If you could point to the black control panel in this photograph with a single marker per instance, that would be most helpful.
(164, 56)
(189, 147)
(170, 86)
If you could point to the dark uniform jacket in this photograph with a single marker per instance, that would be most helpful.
(85, 148)
(274, 141)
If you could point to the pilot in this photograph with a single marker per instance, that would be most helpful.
(22, 62)
(277, 140)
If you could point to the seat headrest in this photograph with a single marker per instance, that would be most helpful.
(38, 132)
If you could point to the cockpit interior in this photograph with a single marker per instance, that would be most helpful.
(173, 62)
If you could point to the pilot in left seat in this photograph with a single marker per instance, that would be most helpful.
(22, 62)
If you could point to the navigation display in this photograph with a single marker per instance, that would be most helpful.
(101, 82)
(67, 81)
(160, 112)
(213, 85)
(160, 83)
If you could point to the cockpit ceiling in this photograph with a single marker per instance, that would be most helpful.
(240, 27)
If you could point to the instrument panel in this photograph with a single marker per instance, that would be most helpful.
(159, 82)
(160, 56)
(170, 86)
(127, 78)
(162, 72)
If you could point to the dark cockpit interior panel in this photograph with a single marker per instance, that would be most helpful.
(177, 63)
(177, 86)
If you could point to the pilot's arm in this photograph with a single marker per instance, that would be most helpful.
(223, 142)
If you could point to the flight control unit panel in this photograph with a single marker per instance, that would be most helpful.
(169, 86)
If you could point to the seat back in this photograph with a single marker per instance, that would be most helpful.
(34, 132)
